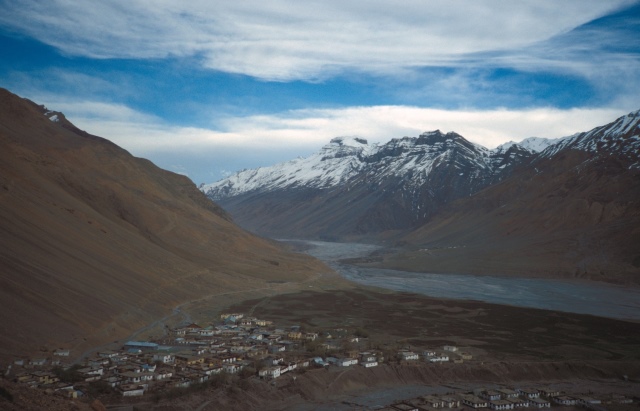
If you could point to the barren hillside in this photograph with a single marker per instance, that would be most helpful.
(96, 243)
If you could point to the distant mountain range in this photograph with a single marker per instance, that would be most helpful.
(95, 243)
(440, 190)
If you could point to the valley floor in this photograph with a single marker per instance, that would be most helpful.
(509, 347)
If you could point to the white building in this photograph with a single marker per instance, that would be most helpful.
(270, 372)
(131, 390)
(347, 362)
(501, 405)
(439, 358)
(408, 356)
(164, 358)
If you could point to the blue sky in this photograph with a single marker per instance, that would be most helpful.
(206, 87)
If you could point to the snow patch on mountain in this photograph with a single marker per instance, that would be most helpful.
(333, 164)
(533, 144)
(621, 137)
(51, 115)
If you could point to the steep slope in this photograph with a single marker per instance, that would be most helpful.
(574, 212)
(95, 243)
(351, 189)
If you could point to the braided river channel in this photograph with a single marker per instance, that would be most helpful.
(583, 297)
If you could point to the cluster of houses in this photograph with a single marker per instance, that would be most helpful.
(504, 399)
(192, 354)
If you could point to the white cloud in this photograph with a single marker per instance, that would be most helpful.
(206, 155)
(312, 128)
(381, 123)
(286, 40)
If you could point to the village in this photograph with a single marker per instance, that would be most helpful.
(247, 347)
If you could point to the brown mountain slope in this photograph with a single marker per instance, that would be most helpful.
(574, 215)
(95, 243)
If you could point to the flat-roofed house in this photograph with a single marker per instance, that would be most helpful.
(540, 403)
(474, 402)
(500, 405)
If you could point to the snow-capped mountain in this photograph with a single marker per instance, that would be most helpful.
(345, 158)
(572, 211)
(620, 138)
(335, 163)
(352, 187)
(393, 185)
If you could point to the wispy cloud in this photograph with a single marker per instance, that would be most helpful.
(285, 40)
(138, 71)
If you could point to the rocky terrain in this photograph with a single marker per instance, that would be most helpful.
(96, 243)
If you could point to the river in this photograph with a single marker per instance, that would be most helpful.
(599, 299)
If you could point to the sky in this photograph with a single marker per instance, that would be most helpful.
(209, 87)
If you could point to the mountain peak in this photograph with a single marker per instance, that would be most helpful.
(436, 132)
(350, 141)
(429, 137)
